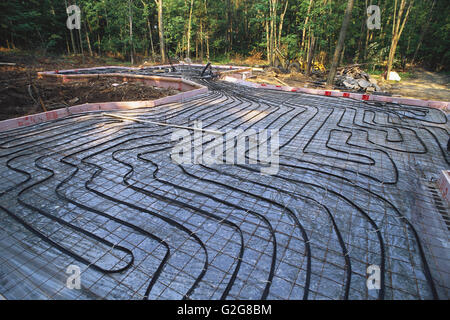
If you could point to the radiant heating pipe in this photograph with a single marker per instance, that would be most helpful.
(264, 97)
(163, 124)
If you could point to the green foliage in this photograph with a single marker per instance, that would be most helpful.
(232, 27)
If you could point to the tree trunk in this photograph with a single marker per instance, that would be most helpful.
(271, 36)
(361, 37)
(196, 48)
(424, 31)
(188, 54)
(99, 45)
(207, 33)
(151, 38)
(130, 16)
(81, 42)
(366, 44)
(72, 38)
(306, 22)
(67, 44)
(341, 60)
(269, 54)
(88, 40)
(281, 23)
(273, 30)
(308, 45)
(340, 44)
(81, 45)
(98, 36)
(159, 3)
(310, 54)
(201, 42)
(207, 47)
(397, 29)
(149, 26)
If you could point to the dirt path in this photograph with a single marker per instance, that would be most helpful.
(422, 85)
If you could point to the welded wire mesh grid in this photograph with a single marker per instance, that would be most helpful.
(177, 70)
(103, 194)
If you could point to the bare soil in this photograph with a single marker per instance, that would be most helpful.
(21, 92)
(422, 84)
(292, 79)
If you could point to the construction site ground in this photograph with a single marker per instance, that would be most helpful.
(16, 101)
(355, 193)
(420, 83)
(21, 91)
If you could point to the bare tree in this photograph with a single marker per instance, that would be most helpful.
(272, 30)
(130, 17)
(397, 29)
(340, 44)
(149, 27)
(188, 54)
(280, 29)
(81, 41)
(423, 32)
(74, 48)
(87, 37)
(269, 53)
(159, 3)
(207, 33)
(306, 23)
(310, 54)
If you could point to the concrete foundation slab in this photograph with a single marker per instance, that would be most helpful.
(354, 198)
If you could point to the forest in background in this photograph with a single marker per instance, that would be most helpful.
(412, 31)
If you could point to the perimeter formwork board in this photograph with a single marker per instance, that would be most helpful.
(355, 192)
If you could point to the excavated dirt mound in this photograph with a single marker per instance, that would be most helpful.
(21, 93)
